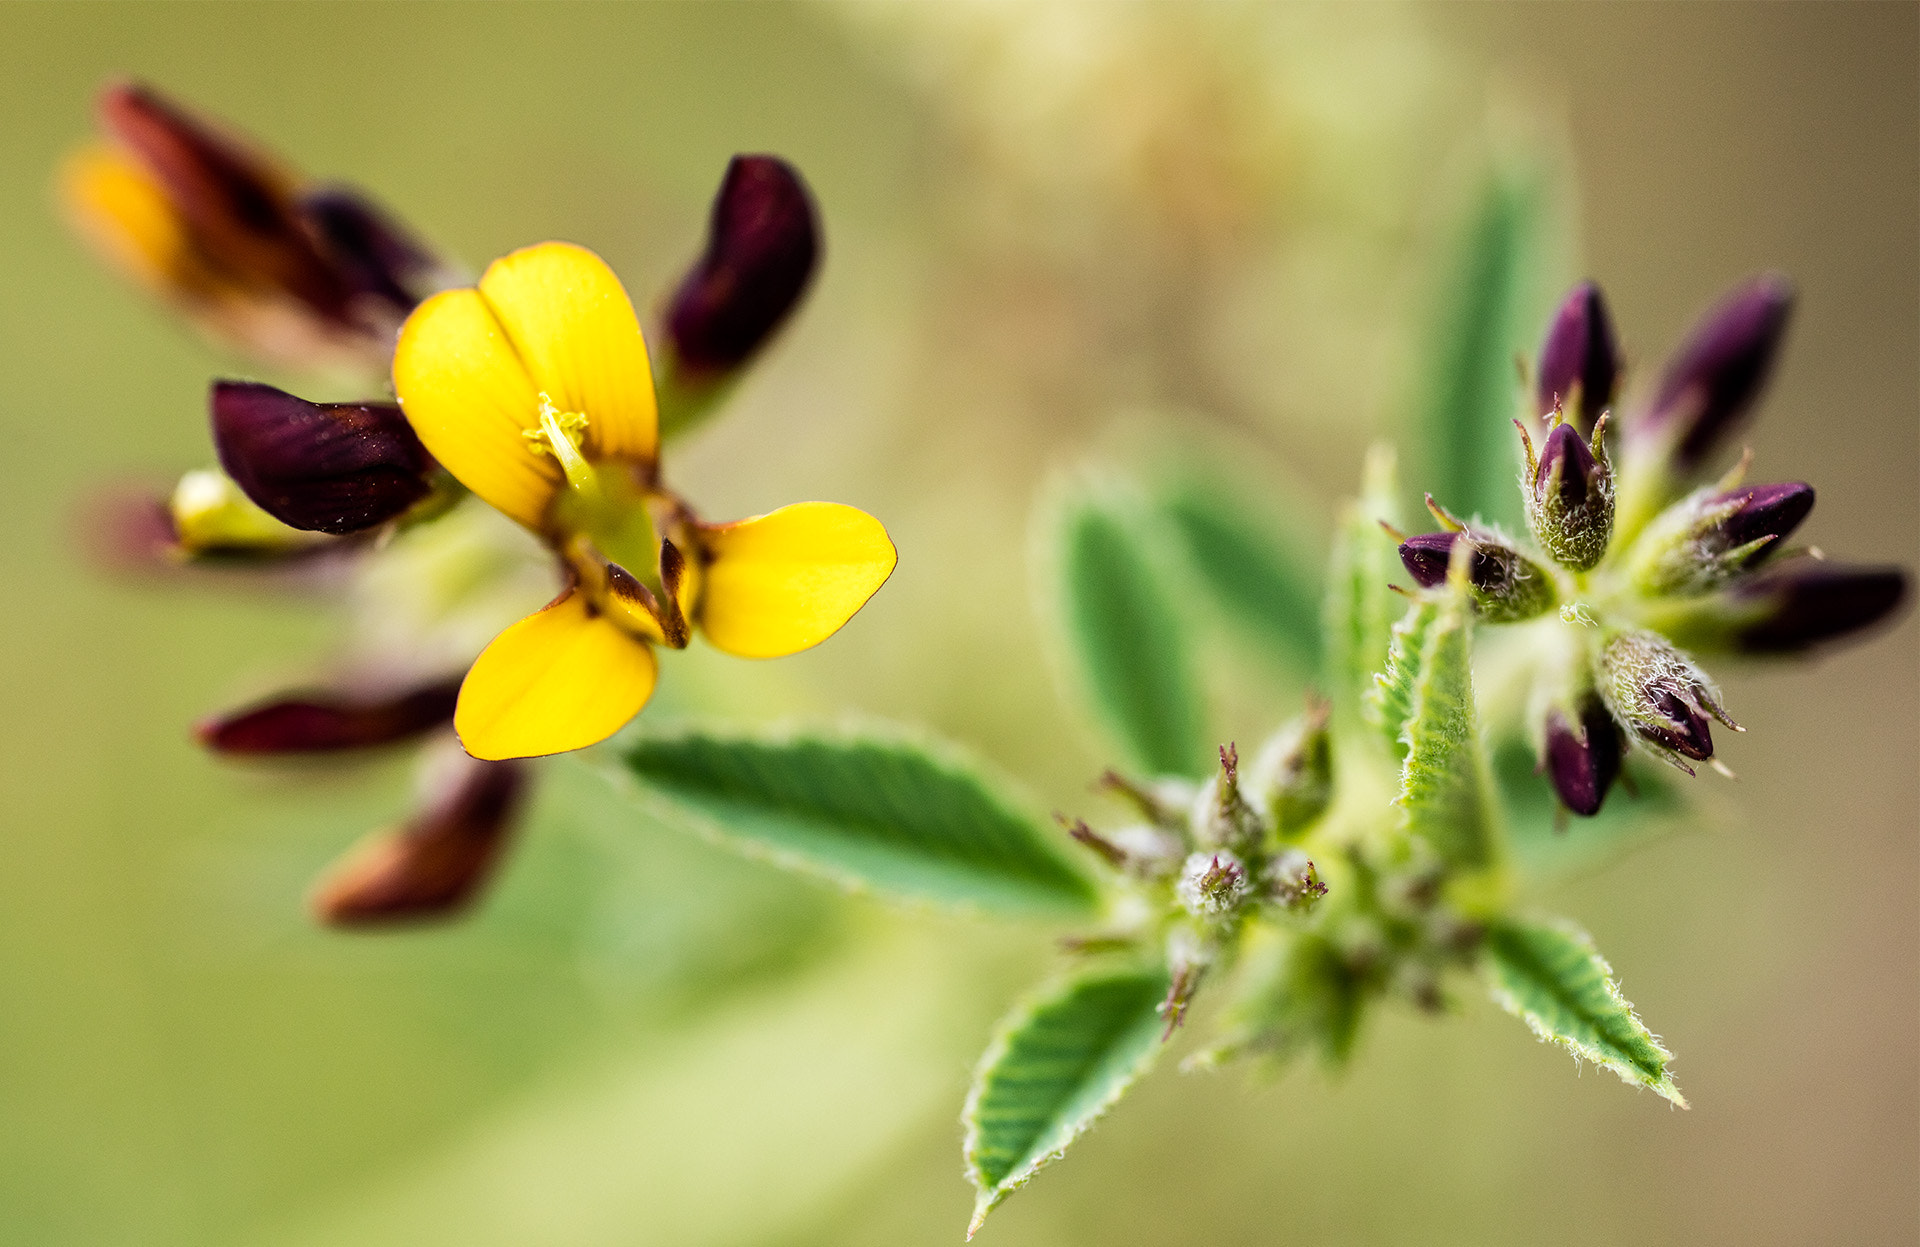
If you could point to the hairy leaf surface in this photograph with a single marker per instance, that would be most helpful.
(1057, 1064)
(866, 809)
(1445, 785)
(1124, 633)
(1552, 978)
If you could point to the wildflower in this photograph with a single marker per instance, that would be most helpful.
(1712, 382)
(327, 721)
(1716, 535)
(1507, 585)
(437, 862)
(1580, 360)
(1657, 692)
(533, 389)
(763, 244)
(322, 467)
(1569, 494)
(252, 254)
(1583, 755)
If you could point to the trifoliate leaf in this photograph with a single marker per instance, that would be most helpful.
(869, 810)
(1551, 978)
(1126, 640)
(1251, 564)
(1057, 1064)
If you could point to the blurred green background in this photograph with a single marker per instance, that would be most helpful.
(1051, 230)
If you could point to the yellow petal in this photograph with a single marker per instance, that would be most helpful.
(128, 217)
(469, 398)
(561, 679)
(780, 583)
(574, 327)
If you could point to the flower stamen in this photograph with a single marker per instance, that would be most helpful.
(560, 434)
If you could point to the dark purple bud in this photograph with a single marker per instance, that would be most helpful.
(372, 252)
(435, 864)
(763, 241)
(323, 467)
(1570, 496)
(1712, 382)
(1702, 542)
(1580, 360)
(236, 203)
(327, 723)
(1507, 585)
(1427, 557)
(1657, 691)
(1583, 758)
(1806, 602)
(1763, 513)
(1680, 726)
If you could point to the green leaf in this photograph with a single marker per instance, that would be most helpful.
(1490, 309)
(1445, 785)
(1253, 566)
(1390, 700)
(1126, 640)
(1360, 608)
(1551, 978)
(866, 809)
(1055, 1067)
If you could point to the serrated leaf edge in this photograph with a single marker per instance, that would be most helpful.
(1630, 1074)
(992, 1195)
(946, 754)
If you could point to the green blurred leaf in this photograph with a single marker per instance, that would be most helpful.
(1488, 311)
(1125, 636)
(1056, 1066)
(1360, 608)
(867, 810)
(1258, 571)
(1296, 993)
(1551, 978)
(1445, 785)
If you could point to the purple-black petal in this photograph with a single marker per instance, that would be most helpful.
(323, 467)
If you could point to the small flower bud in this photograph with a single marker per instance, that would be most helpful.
(373, 253)
(1658, 692)
(1711, 383)
(1570, 495)
(213, 516)
(763, 241)
(1293, 777)
(1291, 882)
(435, 864)
(1704, 541)
(1583, 755)
(322, 467)
(1580, 360)
(323, 722)
(1221, 817)
(1507, 585)
(1212, 884)
(1806, 602)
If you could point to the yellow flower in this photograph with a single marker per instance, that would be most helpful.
(534, 390)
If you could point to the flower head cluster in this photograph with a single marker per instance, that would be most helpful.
(529, 394)
(1634, 569)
